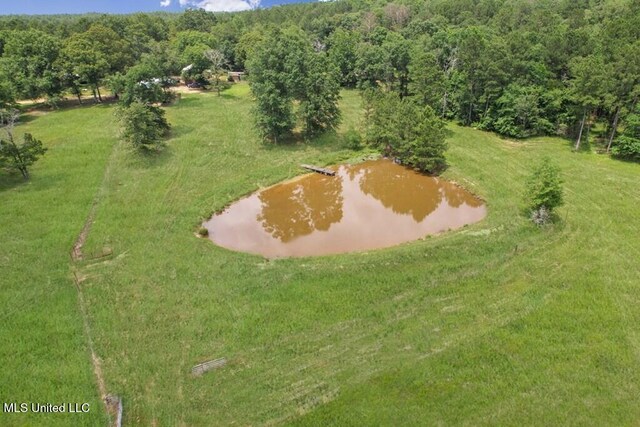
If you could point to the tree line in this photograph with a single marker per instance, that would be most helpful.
(515, 67)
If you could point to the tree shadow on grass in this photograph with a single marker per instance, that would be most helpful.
(186, 102)
(586, 144)
(624, 159)
(225, 94)
(27, 118)
(148, 158)
(180, 130)
(10, 180)
(68, 104)
(40, 179)
(31, 114)
(448, 133)
(327, 141)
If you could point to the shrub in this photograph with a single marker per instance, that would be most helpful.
(143, 125)
(16, 155)
(627, 148)
(352, 140)
(20, 156)
(521, 112)
(543, 191)
(627, 145)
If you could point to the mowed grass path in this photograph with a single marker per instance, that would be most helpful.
(44, 356)
(498, 323)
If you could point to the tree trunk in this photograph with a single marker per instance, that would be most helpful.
(584, 117)
(25, 173)
(404, 86)
(95, 97)
(615, 127)
(79, 98)
(99, 96)
(470, 111)
(17, 158)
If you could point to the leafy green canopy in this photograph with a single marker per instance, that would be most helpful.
(408, 131)
(285, 67)
(28, 64)
(544, 187)
(20, 156)
(91, 56)
(143, 125)
(519, 68)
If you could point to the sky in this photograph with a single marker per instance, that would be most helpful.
(43, 7)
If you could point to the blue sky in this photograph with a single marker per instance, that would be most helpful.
(33, 7)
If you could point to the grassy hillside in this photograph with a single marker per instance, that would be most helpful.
(498, 323)
(44, 355)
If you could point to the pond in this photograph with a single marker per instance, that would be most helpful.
(369, 205)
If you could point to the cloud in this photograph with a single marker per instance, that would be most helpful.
(165, 3)
(217, 5)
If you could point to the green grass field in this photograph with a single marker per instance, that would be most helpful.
(497, 323)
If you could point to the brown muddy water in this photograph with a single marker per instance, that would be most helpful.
(370, 205)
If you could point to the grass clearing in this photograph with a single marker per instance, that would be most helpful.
(498, 323)
(44, 353)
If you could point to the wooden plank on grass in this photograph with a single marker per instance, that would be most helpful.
(207, 366)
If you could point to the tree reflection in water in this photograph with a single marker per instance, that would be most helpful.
(407, 192)
(301, 207)
(400, 189)
(370, 205)
(457, 196)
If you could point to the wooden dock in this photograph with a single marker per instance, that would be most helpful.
(319, 170)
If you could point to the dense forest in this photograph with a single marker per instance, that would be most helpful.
(515, 67)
